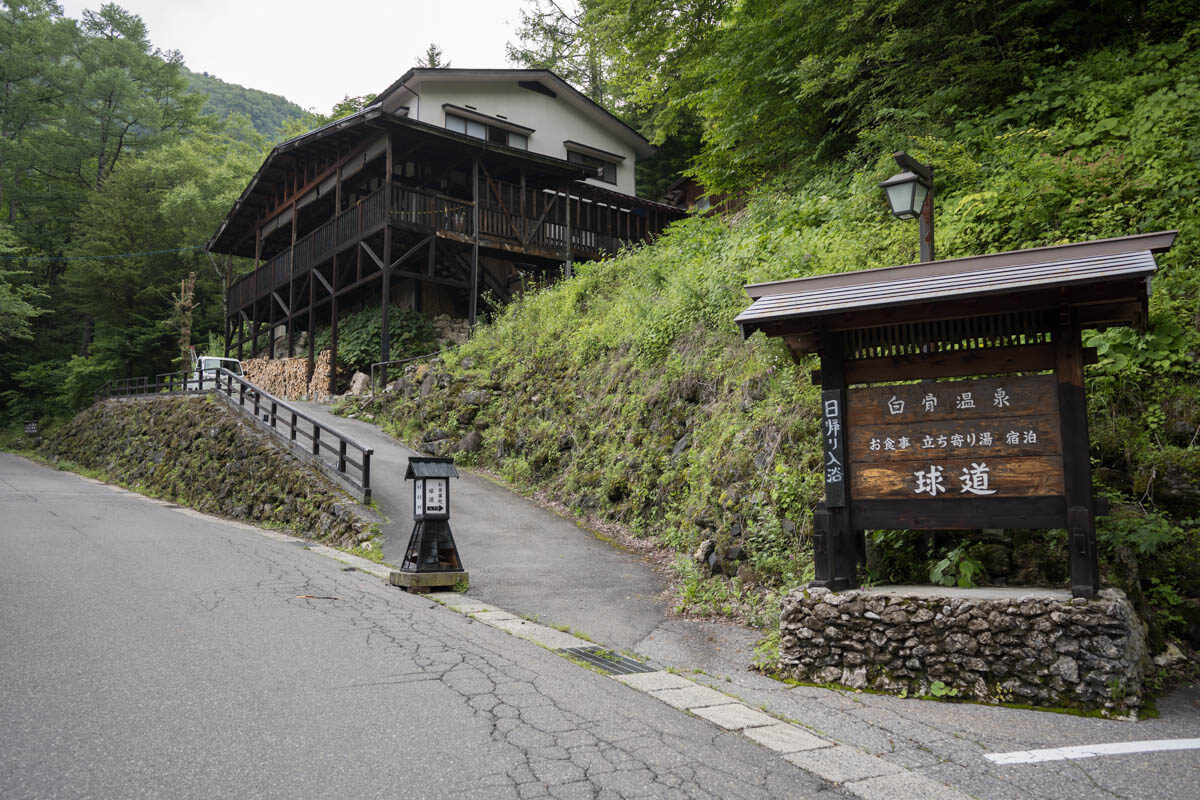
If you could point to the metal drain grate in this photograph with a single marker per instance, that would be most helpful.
(607, 660)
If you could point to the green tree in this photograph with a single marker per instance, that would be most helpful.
(17, 309)
(433, 58)
(161, 205)
(131, 96)
(34, 43)
(554, 36)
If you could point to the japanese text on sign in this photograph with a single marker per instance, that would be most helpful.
(833, 435)
(968, 439)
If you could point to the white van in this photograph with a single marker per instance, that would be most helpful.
(208, 366)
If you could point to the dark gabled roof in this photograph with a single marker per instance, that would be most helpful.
(430, 467)
(538, 75)
(806, 303)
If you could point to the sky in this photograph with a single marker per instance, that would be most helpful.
(315, 52)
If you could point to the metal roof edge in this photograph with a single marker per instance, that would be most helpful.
(642, 146)
(899, 296)
(1156, 242)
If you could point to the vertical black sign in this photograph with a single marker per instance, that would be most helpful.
(833, 416)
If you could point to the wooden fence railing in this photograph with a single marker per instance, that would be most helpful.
(528, 218)
(337, 455)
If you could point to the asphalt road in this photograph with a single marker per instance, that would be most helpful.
(519, 555)
(530, 561)
(150, 652)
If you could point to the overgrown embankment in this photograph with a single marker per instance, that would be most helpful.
(626, 393)
(196, 452)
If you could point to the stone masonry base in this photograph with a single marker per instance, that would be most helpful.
(1042, 649)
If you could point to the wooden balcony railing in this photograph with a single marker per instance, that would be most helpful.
(534, 222)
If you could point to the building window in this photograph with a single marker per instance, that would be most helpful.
(492, 133)
(607, 169)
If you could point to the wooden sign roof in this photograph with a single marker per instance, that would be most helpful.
(1108, 280)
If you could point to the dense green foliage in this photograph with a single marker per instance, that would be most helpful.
(627, 394)
(761, 87)
(113, 175)
(103, 153)
(410, 334)
(269, 113)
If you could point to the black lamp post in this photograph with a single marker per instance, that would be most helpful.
(910, 194)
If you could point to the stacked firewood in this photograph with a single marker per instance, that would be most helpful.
(318, 387)
(287, 378)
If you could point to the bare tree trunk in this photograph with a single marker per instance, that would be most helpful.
(185, 303)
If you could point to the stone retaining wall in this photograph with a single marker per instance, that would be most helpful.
(1034, 650)
(197, 452)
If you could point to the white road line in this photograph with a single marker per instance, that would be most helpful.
(1091, 750)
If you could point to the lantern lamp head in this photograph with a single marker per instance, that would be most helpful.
(431, 486)
(906, 194)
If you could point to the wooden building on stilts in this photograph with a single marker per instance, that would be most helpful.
(384, 207)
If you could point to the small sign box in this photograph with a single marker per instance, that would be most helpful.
(431, 487)
(31, 428)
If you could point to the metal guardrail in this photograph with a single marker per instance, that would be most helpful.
(163, 383)
(377, 369)
(339, 456)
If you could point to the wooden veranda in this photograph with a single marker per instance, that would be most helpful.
(380, 208)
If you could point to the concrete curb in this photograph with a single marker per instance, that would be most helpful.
(861, 774)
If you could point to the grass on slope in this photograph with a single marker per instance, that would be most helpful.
(627, 394)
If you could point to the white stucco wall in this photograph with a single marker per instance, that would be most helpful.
(553, 120)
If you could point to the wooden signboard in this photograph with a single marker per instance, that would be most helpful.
(956, 441)
(997, 451)
(952, 392)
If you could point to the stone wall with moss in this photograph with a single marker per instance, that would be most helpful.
(197, 452)
(1036, 650)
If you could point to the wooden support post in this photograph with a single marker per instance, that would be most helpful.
(567, 261)
(271, 320)
(926, 226)
(1077, 468)
(291, 316)
(521, 208)
(333, 327)
(385, 337)
(254, 331)
(228, 284)
(257, 292)
(312, 324)
(473, 307)
(337, 193)
(358, 252)
(834, 543)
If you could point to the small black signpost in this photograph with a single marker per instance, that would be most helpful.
(1006, 450)
(431, 559)
(31, 428)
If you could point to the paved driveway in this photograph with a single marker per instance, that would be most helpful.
(146, 651)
